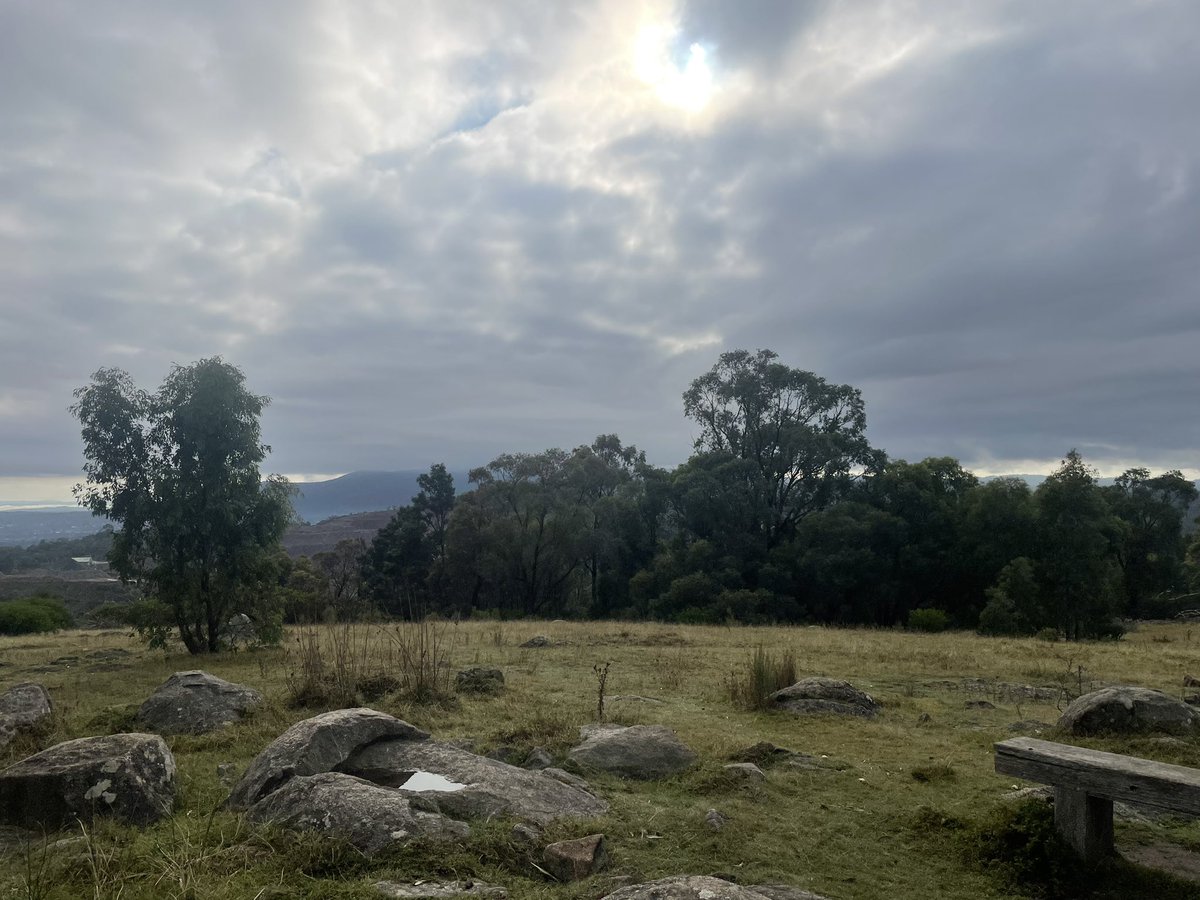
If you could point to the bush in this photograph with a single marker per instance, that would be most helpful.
(1112, 630)
(33, 615)
(1021, 844)
(154, 622)
(998, 617)
(931, 620)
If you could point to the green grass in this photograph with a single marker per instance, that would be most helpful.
(862, 832)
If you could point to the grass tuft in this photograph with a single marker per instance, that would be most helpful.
(762, 676)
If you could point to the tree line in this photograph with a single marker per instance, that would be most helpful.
(783, 513)
(786, 513)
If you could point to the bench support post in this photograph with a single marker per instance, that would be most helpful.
(1086, 823)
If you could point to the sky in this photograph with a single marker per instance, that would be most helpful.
(443, 231)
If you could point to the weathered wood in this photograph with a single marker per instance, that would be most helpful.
(1086, 823)
(1098, 774)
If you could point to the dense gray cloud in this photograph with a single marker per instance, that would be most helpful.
(443, 231)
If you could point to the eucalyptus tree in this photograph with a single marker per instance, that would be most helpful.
(805, 436)
(1151, 545)
(178, 471)
(1075, 560)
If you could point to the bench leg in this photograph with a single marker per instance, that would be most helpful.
(1085, 822)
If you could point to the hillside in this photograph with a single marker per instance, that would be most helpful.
(309, 540)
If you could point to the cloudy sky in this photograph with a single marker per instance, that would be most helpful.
(440, 231)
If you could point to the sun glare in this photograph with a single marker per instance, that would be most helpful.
(688, 86)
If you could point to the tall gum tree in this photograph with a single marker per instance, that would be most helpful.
(178, 471)
(805, 436)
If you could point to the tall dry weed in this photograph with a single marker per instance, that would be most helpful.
(422, 652)
(762, 676)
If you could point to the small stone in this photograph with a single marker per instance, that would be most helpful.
(524, 833)
(538, 640)
(1173, 742)
(23, 707)
(227, 774)
(436, 890)
(705, 887)
(747, 772)
(979, 704)
(538, 758)
(924, 719)
(1191, 681)
(573, 860)
(715, 820)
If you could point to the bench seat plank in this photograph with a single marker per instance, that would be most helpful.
(1099, 774)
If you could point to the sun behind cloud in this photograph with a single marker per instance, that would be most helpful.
(686, 83)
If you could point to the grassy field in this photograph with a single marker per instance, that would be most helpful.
(863, 831)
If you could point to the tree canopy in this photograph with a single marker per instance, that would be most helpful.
(805, 437)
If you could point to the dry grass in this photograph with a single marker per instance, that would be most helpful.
(808, 828)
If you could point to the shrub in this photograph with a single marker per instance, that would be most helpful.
(931, 620)
(33, 615)
(1049, 635)
(1112, 630)
(998, 617)
(763, 675)
(423, 648)
(153, 620)
(1021, 844)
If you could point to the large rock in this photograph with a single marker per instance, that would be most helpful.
(704, 887)
(1124, 709)
(825, 695)
(635, 751)
(130, 777)
(240, 630)
(195, 702)
(316, 745)
(478, 787)
(22, 708)
(370, 817)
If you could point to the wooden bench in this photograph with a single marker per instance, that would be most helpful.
(1086, 782)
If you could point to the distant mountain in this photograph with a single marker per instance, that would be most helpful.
(360, 492)
(357, 492)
